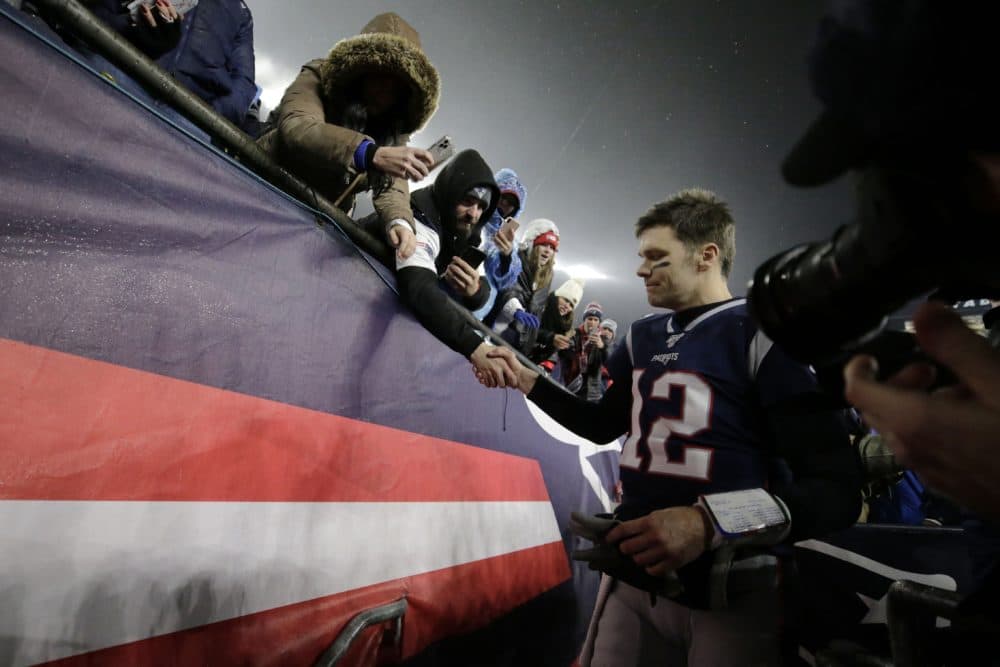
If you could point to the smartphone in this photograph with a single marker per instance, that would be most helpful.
(511, 224)
(473, 256)
(441, 150)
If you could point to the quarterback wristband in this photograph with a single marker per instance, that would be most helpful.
(748, 517)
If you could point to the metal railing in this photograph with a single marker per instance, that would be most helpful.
(394, 610)
(83, 24)
(912, 613)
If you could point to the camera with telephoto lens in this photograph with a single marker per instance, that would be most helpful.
(915, 234)
(910, 108)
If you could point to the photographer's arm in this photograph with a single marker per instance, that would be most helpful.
(950, 436)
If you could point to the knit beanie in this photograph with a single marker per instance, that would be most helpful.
(571, 290)
(550, 239)
(611, 325)
(593, 309)
(536, 228)
(481, 193)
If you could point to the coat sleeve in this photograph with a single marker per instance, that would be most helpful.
(596, 357)
(303, 128)
(240, 65)
(519, 291)
(394, 202)
(419, 289)
(479, 299)
(502, 270)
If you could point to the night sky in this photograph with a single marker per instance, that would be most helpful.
(605, 108)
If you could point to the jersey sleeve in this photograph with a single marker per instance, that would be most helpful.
(428, 247)
(599, 422)
(420, 288)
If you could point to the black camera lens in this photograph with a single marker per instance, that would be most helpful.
(821, 299)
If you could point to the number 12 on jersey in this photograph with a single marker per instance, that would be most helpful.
(678, 403)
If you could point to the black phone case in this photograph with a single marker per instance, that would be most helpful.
(473, 257)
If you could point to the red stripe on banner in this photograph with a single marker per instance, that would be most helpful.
(77, 429)
(442, 603)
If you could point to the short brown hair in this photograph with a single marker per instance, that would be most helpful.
(697, 217)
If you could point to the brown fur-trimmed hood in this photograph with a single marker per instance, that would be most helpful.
(386, 44)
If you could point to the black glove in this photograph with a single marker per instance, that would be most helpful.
(609, 559)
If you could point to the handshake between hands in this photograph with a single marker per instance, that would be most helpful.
(496, 366)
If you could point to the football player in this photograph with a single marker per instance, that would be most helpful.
(722, 462)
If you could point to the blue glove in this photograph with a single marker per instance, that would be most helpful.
(527, 319)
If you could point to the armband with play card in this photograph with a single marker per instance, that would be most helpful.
(748, 517)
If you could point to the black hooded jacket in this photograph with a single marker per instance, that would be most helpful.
(420, 288)
(435, 204)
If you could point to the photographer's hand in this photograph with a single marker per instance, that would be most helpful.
(952, 436)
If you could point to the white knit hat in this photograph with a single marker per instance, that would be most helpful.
(534, 229)
(571, 290)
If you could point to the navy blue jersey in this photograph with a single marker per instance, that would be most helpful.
(698, 397)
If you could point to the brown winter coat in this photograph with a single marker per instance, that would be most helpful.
(305, 140)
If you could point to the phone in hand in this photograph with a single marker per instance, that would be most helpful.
(136, 5)
(182, 7)
(441, 150)
(473, 256)
(509, 224)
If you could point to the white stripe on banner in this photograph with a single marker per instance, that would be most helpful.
(84, 575)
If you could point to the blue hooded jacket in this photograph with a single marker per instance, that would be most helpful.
(215, 58)
(499, 280)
